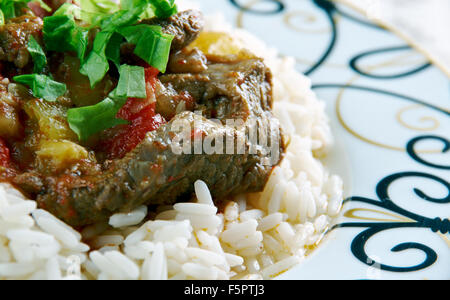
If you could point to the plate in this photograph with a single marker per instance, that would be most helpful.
(390, 113)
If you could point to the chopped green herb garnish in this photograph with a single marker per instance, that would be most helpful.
(131, 82)
(68, 9)
(155, 8)
(96, 65)
(13, 8)
(58, 33)
(71, 29)
(164, 8)
(2, 18)
(99, 6)
(154, 48)
(9, 9)
(38, 55)
(152, 45)
(113, 49)
(88, 120)
(121, 18)
(62, 34)
(42, 86)
(80, 41)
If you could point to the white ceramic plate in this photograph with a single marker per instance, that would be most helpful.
(389, 110)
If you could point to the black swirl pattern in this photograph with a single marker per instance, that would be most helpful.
(384, 199)
(278, 8)
(436, 225)
(380, 92)
(414, 155)
(354, 64)
(330, 9)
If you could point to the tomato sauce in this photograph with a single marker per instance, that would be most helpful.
(7, 168)
(5, 157)
(142, 117)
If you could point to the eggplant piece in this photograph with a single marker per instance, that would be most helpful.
(10, 126)
(157, 173)
(154, 174)
(229, 89)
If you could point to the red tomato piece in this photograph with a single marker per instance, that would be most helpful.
(142, 119)
(5, 158)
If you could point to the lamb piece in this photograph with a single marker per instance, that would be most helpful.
(14, 37)
(169, 102)
(218, 90)
(157, 173)
(185, 26)
(187, 61)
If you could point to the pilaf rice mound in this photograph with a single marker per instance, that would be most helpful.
(255, 236)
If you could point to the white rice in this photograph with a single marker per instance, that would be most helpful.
(257, 236)
(129, 219)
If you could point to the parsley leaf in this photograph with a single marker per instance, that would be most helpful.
(62, 34)
(157, 8)
(37, 54)
(96, 64)
(131, 82)
(164, 8)
(152, 45)
(88, 120)
(57, 33)
(42, 86)
(122, 18)
(14, 8)
(68, 9)
(2, 18)
(113, 49)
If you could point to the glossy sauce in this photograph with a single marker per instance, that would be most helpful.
(142, 118)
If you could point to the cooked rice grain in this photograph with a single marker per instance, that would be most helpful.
(257, 236)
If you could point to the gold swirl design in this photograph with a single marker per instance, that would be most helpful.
(288, 20)
(241, 13)
(353, 132)
(445, 238)
(309, 17)
(435, 124)
(306, 17)
(368, 140)
(399, 60)
(352, 213)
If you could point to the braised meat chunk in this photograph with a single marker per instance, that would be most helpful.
(14, 36)
(205, 118)
(155, 173)
(184, 26)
